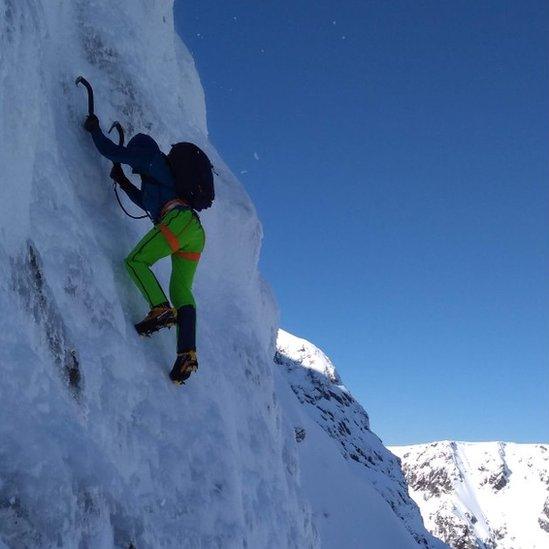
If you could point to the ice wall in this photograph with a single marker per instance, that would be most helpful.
(97, 448)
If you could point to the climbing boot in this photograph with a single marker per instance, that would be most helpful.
(185, 364)
(161, 316)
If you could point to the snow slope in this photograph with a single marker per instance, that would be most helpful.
(97, 448)
(481, 495)
(329, 411)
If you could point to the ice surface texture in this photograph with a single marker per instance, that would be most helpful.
(97, 448)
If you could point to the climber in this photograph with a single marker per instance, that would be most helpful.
(177, 233)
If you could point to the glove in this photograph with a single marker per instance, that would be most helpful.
(117, 174)
(91, 123)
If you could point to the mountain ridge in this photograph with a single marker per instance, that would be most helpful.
(481, 494)
(318, 387)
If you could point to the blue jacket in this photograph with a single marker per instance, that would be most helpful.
(145, 158)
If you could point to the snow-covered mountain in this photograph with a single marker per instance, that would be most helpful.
(327, 402)
(481, 495)
(97, 448)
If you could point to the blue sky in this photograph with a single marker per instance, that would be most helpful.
(397, 154)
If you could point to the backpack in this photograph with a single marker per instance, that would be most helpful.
(193, 174)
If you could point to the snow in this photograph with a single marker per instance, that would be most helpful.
(496, 492)
(306, 354)
(122, 455)
(98, 448)
(370, 476)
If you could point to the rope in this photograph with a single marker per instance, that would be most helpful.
(124, 209)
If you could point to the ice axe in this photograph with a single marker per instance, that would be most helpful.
(120, 131)
(87, 85)
(116, 125)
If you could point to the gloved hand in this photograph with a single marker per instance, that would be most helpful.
(117, 174)
(91, 123)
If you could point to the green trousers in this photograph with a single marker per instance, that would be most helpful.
(179, 235)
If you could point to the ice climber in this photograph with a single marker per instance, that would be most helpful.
(177, 233)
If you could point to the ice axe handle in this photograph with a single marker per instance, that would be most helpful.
(84, 82)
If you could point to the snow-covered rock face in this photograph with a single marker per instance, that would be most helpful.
(481, 495)
(303, 354)
(318, 387)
